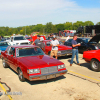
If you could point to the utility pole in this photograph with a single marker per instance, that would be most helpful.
(43, 31)
(25, 30)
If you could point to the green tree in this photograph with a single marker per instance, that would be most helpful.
(68, 26)
(48, 27)
(60, 27)
(88, 23)
(98, 23)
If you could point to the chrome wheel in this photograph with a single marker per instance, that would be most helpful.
(3, 62)
(95, 64)
(20, 75)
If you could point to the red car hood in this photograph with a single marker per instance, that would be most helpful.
(63, 47)
(39, 61)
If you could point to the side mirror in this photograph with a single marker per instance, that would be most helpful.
(11, 55)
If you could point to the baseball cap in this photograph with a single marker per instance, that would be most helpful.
(41, 38)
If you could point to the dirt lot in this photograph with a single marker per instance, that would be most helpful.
(80, 83)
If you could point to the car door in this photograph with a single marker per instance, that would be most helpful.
(11, 58)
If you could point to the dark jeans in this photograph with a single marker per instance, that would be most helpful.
(74, 52)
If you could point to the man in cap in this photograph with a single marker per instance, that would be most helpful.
(54, 44)
(37, 40)
(41, 44)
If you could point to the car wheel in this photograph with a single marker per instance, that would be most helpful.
(4, 63)
(20, 75)
(95, 65)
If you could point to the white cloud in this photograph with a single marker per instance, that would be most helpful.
(28, 12)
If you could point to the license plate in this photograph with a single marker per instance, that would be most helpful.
(51, 76)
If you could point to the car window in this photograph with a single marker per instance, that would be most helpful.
(4, 44)
(70, 40)
(19, 38)
(79, 40)
(29, 52)
(86, 40)
(12, 51)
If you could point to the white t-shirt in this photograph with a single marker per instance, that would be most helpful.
(54, 42)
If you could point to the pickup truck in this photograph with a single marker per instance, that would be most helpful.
(19, 40)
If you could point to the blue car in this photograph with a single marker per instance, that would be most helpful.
(3, 46)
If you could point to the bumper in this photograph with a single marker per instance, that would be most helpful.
(47, 76)
(65, 52)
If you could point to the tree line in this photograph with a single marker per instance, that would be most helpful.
(47, 29)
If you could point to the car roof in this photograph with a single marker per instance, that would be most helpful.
(3, 41)
(22, 46)
(83, 38)
(17, 36)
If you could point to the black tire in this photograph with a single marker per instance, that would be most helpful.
(5, 65)
(95, 65)
(20, 75)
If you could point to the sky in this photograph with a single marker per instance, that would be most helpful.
(16, 13)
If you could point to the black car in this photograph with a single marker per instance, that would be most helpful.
(86, 43)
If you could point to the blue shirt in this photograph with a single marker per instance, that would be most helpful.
(74, 43)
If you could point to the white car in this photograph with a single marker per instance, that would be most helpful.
(18, 40)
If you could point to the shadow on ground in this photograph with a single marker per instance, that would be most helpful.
(45, 81)
(87, 65)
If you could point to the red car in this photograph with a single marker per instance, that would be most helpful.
(31, 63)
(93, 57)
(62, 49)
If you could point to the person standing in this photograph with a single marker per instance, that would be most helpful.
(37, 40)
(41, 44)
(54, 43)
(75, 50)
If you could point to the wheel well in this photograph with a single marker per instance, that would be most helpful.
(94, 59)
(18, 69)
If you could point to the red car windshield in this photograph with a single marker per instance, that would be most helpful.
(28, 52)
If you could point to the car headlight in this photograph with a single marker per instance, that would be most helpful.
(61, 66)
(59, 51)
(32, 71)
(96, 48)
(17, 43)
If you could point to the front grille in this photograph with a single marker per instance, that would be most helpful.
(24, 43)
(49, 70)
(66, 51)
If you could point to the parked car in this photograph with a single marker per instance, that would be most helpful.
(31, 63)
(3, 46)
(29, 38)
(86, 44)
(62, 49)
(93, 57)
(18, 40)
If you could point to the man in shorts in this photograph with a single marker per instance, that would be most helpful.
(54, 44)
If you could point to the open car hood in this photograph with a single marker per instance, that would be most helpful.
(95, 39)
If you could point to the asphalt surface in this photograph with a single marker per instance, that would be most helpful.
(80, 83)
